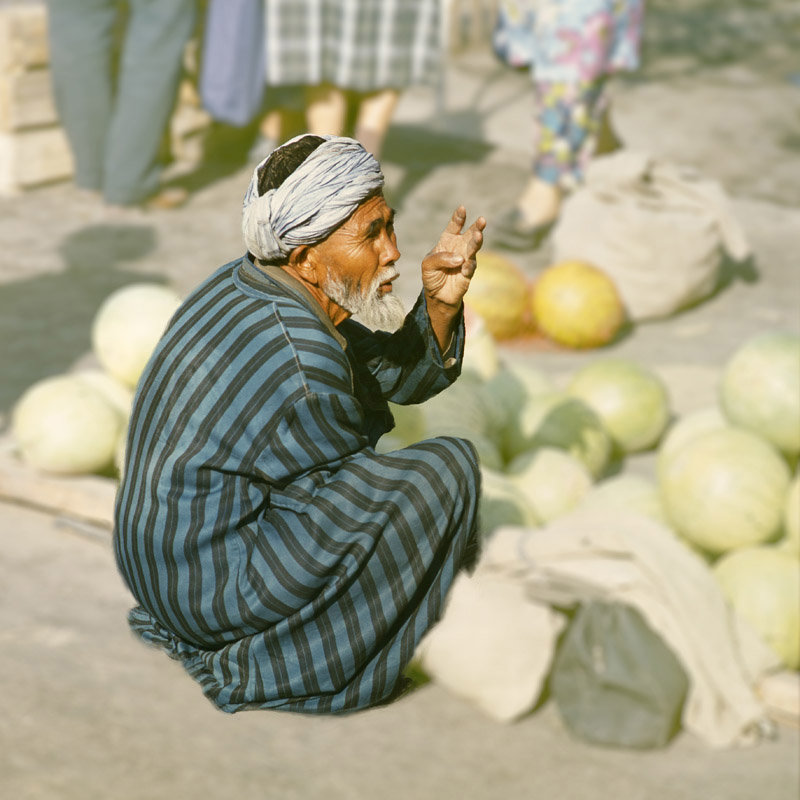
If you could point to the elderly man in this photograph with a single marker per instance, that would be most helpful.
(271, 549)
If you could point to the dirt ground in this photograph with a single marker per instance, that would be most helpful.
(91, 713)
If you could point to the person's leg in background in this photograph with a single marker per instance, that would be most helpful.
(284, 117)
(150, 69)
(375, 111)
(577, 45)
(565, 134)
(81, 34)
(326, 110)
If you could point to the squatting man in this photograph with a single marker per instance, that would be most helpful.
(269, 547)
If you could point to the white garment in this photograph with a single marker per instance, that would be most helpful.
(608, 556)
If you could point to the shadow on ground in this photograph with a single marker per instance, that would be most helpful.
(46, 320)
(716, 33)
(420, 150)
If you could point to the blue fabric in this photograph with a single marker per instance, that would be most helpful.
(271, 550)
(232, 73)
(116, 127)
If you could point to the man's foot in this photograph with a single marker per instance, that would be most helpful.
(167, 198)
(526, 225)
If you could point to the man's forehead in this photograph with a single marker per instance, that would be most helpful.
(374, 207)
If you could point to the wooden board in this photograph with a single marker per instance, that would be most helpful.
(84, 497)
(32, 158)
(23, 36)
(26, 100)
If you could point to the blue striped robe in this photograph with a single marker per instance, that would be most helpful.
(271, 550)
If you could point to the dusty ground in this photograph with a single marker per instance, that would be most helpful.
(90, 713)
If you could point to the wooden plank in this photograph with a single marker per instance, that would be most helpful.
(23, 37)
(26, 100)
(34, 157)
(84, 497)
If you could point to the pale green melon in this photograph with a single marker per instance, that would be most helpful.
(687, 428)
(763, 585)
(128, 326)
(626, 492)
(631, 400)
(760, 388)
(554, 419)
(553, 481)
(502, 502)
(63, 424)
(725, 490)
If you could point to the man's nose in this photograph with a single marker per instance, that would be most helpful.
(390, 252)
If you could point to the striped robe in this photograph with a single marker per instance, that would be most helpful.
(270, 548)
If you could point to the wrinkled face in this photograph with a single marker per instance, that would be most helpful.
(359, 259)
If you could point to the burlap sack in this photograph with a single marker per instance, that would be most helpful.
(658, 230)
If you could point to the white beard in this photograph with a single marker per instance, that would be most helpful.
(377, 311)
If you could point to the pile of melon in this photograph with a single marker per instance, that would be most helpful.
(723, 479)
(572, 303)
(76, 422)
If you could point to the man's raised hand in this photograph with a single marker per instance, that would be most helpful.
(449, 266)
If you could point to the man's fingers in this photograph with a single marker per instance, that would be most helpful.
(443, 259)
(457, 221)
(475, 240)
(479, 224)
(468, 268)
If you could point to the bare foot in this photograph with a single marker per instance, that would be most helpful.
(540, 203)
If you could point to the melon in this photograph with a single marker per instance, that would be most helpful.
(577, 305)
(791, 518)
(626, 492)
(760, 388)
(64, 425)
(763, 586)
(128, 326)
(725, 490)
(502, 502)
(457, 410)
(117, 393)
(631, 400)
(553, 419)
(552, 480)
(498, 293)
(507, 391)
(481, 356)
(460, 410)
(687, 428)
(409, 424)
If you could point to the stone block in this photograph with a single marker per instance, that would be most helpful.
(32, 158)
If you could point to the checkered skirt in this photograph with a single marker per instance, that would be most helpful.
(363, 45)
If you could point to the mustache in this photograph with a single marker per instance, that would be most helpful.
(389, 274)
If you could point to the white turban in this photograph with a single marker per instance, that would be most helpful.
(312, 202)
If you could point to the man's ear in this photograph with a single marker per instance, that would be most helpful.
(301, 261)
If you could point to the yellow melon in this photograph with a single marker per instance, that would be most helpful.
(577, 305)
(499, 293)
